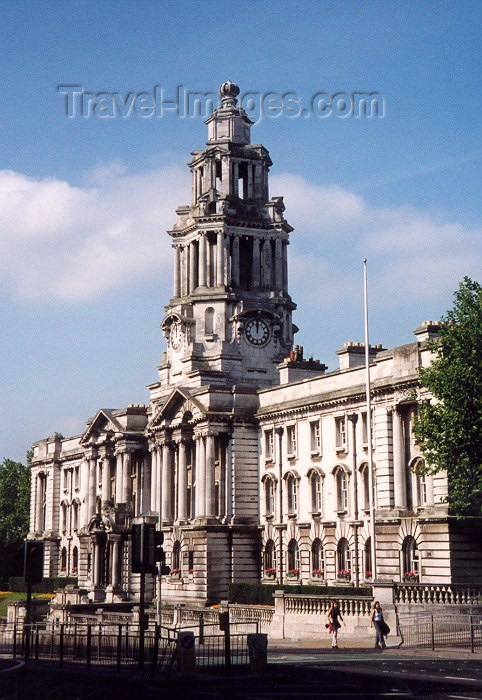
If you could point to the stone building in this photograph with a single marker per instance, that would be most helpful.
(252, 459)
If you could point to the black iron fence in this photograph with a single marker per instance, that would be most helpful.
(438, 631)
(123, 646)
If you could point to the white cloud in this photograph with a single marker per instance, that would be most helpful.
(412, 253)
(64, 242)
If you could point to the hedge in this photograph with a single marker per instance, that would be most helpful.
(262, 594)
(48, 585)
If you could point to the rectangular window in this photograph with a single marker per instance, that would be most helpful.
(344, 492)
(77, 478)
(291, 437)
(364, 429)
(315, 437)
(190, 561)
(340, 427)
(268, 445)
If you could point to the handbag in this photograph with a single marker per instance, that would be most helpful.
(384, 628)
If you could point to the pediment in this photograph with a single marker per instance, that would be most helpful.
(176, 406)
(103, 422)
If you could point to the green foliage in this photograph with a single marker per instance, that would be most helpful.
(449, 430)
(262, 593)
(48, 585)
(14, 501)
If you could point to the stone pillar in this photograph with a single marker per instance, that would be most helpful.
(235, 270)
(146, 484)
(267, 264)
(223, 439)
(92, 484)
(255, 269)
(118, 478)
(84, 493)
(177, 271)
(167, 483)
(153, 473)
(126, 477)
(235, 185)
(219, 258)
(200, 477)
(250, 187)
(192, 268)
(210, 490)
(202, 262)
(225, 178)
(399, 472)
(278, 265)
(285, 266)
(182, 482)
(105, 479)
(96, 564)
(115, 564)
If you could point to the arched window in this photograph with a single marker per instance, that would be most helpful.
(317, 559)
(292, 492)
(365, 487)
(316, 493)
(75, 515)
(269, 496)
(209, 321)
(410, 559)
(270, 558)
(293, 558)
(64, 517)
(344, 559)
(341, 489)
(368, 558)
(75, 560)
(63, 560)
(176, 558)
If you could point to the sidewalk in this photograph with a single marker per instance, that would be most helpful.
(367, 646)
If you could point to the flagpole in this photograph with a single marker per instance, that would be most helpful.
(371, 480)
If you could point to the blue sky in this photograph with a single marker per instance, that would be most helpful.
(85, 268)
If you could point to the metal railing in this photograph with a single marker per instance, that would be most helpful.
(439, 631)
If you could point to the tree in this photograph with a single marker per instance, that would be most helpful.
(449, 429)
(14, 516)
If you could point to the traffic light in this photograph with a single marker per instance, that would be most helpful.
(143, 548)
(33, 561)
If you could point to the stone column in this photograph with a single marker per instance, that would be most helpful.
(177, 271)
(285, 266)
(250, 186)
(222, 475)
(235, 187)
(267, 264)
(38, 503)
(126, 477)
(182, 482)
(167, 483)
(278, 265)
(105, 479)
(235, 271)
(118, 478)
(227, 262)
(92, 484)
(192, 267)
(200, 477)
(255, 269)
(96, 564)
(399, 471)
(225, 178)
(219, 258)
(202, 260)
(153, 471)
(115, 564)
(84, 493)
(210, 491)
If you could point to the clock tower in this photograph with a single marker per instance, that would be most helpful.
(229, 319)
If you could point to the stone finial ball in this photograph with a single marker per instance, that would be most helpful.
(229, 89)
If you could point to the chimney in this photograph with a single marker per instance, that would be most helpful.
(353, 354)
(295, 367)
(428, 330)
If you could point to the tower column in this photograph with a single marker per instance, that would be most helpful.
(202, 260)
(226, 180)
(154, 459)
(200, 477)
(278, 264)
(177, 270)
(182, 482)
(235, 185)
(166, 483)
(118, 477)
(126, 477)
(285, 266)
(267, 264)
(192, 267)
(210, 490)
(92, 483)
(399, 476)
(250, 193)
(219, 258)
(105, 479)
(256, 265)
(84, 494)
(235, 272)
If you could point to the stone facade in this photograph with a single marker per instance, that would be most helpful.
(251, 459)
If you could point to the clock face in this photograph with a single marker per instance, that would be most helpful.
(176, 336)
(257, 331)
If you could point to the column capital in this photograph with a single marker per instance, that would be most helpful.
(279, 430)
(91, 454)
(353, 417)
